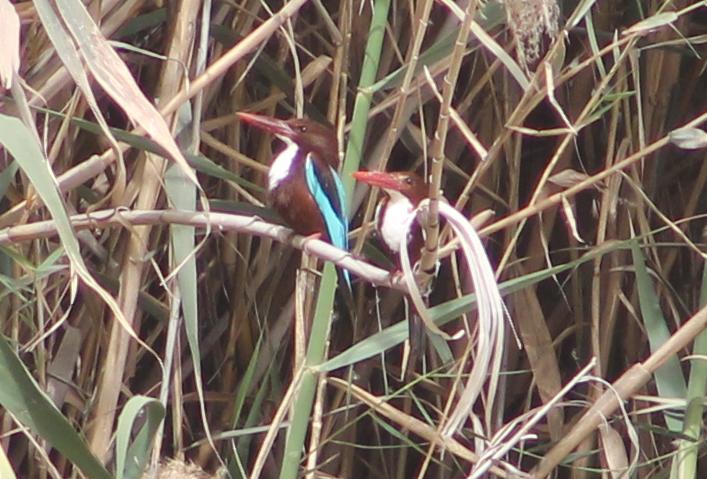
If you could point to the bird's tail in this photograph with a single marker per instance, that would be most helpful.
(417, 336)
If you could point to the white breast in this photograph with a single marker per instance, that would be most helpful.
(280, 168)
(395, 221)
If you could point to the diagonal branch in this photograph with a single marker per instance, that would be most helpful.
(121, 217)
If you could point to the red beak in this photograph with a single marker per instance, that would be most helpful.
(266, 123)
(379, 179)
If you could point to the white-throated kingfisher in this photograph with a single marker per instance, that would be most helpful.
(303, 183)
(404, 192)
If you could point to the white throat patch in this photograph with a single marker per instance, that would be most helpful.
(280, 168)
(395, 219)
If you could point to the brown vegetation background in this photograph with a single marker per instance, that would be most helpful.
(572, 131)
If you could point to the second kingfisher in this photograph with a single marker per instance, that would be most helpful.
(394, 216)
(405, 191)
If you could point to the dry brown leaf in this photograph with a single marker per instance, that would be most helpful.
(614, 451)
(115, 78)
(63, 365)
(570, 218)
(10, 41)
(567, 178)
(689, 138)
(541, 353)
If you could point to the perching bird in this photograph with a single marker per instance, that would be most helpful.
(404, 191)
(303, 184)
(394, 214)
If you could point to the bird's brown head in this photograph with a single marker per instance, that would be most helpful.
(409, 184)
(309, 135)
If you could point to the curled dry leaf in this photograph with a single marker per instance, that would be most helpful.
(10, 40)
(489, 338)
(570, 218)
(567, 178)
(614, 451)
(490, 327)
(688, 138)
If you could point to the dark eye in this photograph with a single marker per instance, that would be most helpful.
(303, 129)
(408, 181)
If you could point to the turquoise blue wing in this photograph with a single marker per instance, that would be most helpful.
(339, 187)
(328, 193)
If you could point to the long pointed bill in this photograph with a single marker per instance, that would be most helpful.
(379, 179)
(266, 123)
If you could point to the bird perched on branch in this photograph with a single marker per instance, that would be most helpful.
(395, 216)
(303, 183)
(404, 192)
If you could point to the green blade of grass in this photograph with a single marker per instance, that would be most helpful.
(240, 456)
(6, 177)
(22, 396)
(669, 379)
(182, 193)
(142, 23)
(131, 460)
(304, 398)
(689, 449)
(362, 104)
